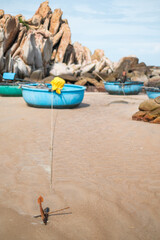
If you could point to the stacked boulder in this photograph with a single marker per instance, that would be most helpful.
(149, 111)
(134, 70)
(154, 77)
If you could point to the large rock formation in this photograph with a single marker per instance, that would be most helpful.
(42, 46)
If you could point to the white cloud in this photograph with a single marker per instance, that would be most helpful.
(102, 27)
(83, 8)
(140, 11)
(156, 48)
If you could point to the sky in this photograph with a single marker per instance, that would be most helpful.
(119, 27)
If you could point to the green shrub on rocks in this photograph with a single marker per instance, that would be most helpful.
(23, 22)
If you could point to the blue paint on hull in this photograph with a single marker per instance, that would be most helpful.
(127, 88)
(153, 94)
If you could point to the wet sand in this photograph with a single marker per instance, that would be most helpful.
(105, 168)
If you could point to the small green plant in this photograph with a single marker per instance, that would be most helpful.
(23, 22)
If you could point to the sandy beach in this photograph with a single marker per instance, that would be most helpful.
(105, 168)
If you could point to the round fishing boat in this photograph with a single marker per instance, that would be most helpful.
(152, 92)
(10, 89)
(41, 95)
(127, 88)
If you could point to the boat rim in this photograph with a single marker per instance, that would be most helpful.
(12, 84)
(29, 87)
(125, 83)
(152, 89)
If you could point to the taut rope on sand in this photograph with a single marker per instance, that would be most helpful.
(57, 85)
(53, 127)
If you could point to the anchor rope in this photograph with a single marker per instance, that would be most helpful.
(123, 84)
(53, 127)
(56, 85)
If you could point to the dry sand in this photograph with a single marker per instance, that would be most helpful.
(106, 167)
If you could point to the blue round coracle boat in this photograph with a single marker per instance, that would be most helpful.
(40, 95)
(152, 92)
(126, 88)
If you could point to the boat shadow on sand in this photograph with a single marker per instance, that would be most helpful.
(81, 105)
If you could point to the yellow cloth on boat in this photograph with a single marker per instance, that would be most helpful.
(57, 84)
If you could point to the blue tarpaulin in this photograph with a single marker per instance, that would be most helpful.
(9, 76)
